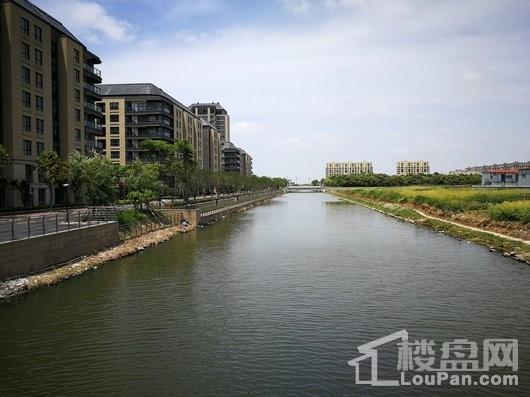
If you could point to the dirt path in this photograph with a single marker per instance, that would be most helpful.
(477, 229)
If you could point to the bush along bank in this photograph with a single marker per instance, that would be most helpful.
(512, 248)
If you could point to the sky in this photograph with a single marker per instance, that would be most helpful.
(311, 81)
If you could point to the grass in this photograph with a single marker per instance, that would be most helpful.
(130, 217)
(507, 205)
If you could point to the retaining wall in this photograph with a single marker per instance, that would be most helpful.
(22, 257)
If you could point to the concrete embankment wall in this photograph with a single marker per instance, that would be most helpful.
(21, 257)
(212, 210)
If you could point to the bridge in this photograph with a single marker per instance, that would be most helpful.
(304, 189)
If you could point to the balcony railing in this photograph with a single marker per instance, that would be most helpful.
(92, 88)
(92, 70)
(93, 107)
(93, 126)
(148, 122)
(143, 108)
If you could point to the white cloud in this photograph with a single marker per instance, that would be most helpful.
(378, 83)
(89, 19)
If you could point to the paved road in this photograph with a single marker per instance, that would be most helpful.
(20, 227)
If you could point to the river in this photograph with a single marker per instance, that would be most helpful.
(272, 301)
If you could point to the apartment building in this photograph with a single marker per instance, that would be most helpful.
(236, 159)
(48, 95)
(348, 168)
(216, 115)
(412, 167)
(136, 112)
(211, 147)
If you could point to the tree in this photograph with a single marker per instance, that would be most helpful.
(93, 179)
(315, 182)
(4, 158)
(142, 182)
(51, 169)
(4, 161)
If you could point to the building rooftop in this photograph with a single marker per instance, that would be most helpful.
(216, 104)
(204, 122)
(137, 89)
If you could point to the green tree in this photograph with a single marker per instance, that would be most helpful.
(142, 182)
(51, 169)
(315, 182)
(93, 179)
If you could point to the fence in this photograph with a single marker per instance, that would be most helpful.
(137, 229)
(23, 227)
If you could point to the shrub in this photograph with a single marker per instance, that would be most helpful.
(129, 217)
(511, 211)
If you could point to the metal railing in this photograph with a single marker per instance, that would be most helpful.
(92, 69)
(137, 229)
(24, 227)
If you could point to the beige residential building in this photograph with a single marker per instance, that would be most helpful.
(216, 115)
(136, 112)
(348, 168)
(47, 98)
(412, 167)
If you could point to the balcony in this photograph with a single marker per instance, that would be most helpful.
(92, 72)
(147, 109)
(93, 127)
(92, 91)
(157, 121)
(93, 109)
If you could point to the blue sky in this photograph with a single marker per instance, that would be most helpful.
(310, 81)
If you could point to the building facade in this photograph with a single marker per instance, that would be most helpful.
(216, 115)
(348, 168)
(211, 146)
(511, 177)
(136, 112)
(48, 92)
(412, 167)
(236, 159)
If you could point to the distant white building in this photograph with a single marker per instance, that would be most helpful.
(348, 168)
(406, 167)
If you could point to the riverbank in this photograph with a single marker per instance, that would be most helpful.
(19, 286)
(508, 246)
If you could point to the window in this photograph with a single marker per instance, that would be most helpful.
(78, 115)
(114, 142)
(26, 99)
(42, 197)
(77, 76)
(28, 171)
(39, 126)
(76, 55)
(101, 107)
(38, 57)
(114, 154)
(26, 123)
(26, 148)
(25, 51)
(114, 130)
(114, 105)
(39, 103)
(114, 118)
(24, 25)
(40, 147)
(77, 95)
(38, 80)
(38, 34)
(78, 134)
(25, 75)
